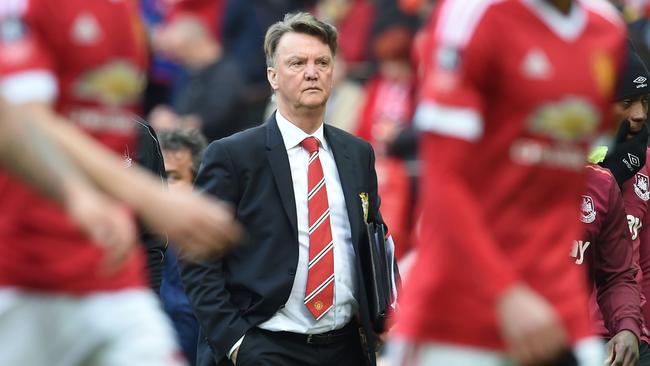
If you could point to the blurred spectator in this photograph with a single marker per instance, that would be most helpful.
(346, 99)
(162, 74)
(386, 114)
(244, 25)
(165, 76)
(353, 20)
(212, 98)
(182, 149)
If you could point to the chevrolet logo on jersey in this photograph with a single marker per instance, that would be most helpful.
(569, 120)
(115, 84)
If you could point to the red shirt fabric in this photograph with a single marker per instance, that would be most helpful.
(606, 250)
(508, 108)
(88, 59)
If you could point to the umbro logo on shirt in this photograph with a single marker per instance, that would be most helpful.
(640, 82)
(634, 160)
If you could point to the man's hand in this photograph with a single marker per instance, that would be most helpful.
(530, 327)
(199, 225)
(623, 349)
(628, 155)
(106, 222)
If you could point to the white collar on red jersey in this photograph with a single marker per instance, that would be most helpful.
(568, 27)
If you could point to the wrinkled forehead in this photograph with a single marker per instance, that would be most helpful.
(294, 44)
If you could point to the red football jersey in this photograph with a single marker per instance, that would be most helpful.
(87, 58)
(514, 93)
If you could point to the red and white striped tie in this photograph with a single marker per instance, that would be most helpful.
(319, 294)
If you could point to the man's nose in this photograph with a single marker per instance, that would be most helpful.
(311, 73)
(638, 112)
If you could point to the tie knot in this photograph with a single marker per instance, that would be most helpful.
(310, 144)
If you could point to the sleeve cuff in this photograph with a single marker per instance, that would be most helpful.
(238, 343)
(631, 325)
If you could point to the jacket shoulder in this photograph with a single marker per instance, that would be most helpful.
(347, 137)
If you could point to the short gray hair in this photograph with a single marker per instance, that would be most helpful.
(298, 23)
(178, 139)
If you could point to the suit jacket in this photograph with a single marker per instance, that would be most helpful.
(247, 287)
(149, 156)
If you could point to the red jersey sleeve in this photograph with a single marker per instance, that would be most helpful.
(26, 62)
(450, 116)
(457, 71)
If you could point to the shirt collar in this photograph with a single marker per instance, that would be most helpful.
(292, 135)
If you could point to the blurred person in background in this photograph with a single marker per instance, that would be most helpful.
(386, 114)
(354, 21)
(212, 99)
(182, 149)
(78, 62)
(504, 138)
(165, 76)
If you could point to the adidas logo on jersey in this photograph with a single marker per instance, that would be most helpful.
(536, 65)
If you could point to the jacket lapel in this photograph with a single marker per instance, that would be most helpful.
(279, 162)
(347, 167)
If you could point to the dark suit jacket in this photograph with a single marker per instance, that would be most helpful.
(149, 156)
(248, 286)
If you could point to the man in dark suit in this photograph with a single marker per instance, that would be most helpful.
(293, 293)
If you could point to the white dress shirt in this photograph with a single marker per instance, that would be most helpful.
(294, 316)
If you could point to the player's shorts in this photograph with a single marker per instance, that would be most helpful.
(587, 352)
(118, 328)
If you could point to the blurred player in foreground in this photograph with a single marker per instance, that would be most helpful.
(505, 133)
(67, 298)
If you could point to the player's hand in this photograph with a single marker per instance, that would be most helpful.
(198, 225)
(530, 327)
(106, 222)
(628, 155)
(623, 350)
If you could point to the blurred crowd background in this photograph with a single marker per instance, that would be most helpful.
(207, 73)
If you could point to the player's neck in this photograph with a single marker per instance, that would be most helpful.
(564, 6)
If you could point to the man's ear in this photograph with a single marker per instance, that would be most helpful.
(272, 76)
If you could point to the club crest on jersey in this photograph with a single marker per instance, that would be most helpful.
(641, 186)
(587, 210)
(604, 71)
